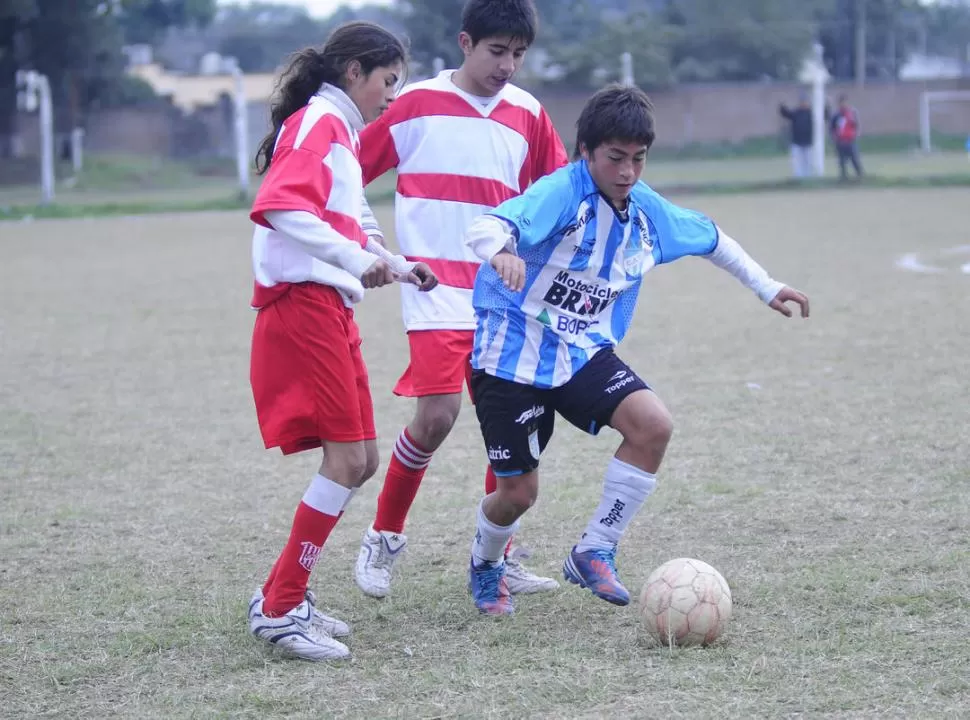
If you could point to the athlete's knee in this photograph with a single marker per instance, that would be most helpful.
(347, 463)
(371, 463)
(520, 491)
(646, 422)
(435, 419)
(654, 429)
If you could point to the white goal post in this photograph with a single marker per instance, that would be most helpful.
(926, 101)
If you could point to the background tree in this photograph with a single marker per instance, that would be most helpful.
(432, 28)
(740, 41)
(143, 21)
(261, 35)
(892, 31)
(14, 17)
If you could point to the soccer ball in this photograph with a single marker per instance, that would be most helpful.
(685, 602)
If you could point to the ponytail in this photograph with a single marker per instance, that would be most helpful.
(367, 43)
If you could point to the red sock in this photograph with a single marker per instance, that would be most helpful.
(315, 518)
(491, 482)
(272, 573)
(404, 474)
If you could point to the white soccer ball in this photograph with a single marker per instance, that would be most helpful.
(685, 602)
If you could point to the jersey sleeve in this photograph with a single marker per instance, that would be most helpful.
(542, 211)
(550, 154)
(378, 153)
(730, 256)
(321, 177)
(297, 179)
(320, 239)
(680, 231)
(368, 222)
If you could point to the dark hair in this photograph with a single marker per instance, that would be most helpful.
(500, 18)
(617, 112)
(367, 43)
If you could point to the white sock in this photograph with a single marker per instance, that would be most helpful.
(625, 490)
(350, 496)
(490, 539)
(326, 496)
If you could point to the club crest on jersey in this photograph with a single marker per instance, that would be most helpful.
(633, 259)
(637, 248)
(534, 445)
(632, 264)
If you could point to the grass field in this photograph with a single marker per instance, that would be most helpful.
(136, 185)
(821, 465)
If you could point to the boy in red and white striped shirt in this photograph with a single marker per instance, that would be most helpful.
(462, 142)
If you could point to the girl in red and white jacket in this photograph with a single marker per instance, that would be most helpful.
(312, 260)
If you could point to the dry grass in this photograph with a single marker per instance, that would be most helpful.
(821, 466)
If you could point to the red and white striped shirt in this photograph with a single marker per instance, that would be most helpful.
(314, 170)
(457, 156)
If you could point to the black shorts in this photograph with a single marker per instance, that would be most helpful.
(517, 420)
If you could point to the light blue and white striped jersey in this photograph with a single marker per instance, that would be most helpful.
(584, 266)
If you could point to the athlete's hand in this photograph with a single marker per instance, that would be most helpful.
(378, 274)
(422, 276)
(787, 294)
(511, 268)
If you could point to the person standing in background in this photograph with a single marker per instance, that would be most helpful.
(845, 132)
(802, 136)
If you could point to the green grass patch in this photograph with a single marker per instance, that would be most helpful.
(145, 509)
(56, 210)
(385, 195)
(774, 145)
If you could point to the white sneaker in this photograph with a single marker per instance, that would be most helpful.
(324, 623)
(295, 634)
(378, 551)
(521, 580)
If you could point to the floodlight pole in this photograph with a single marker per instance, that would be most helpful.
(46, 139)
(77, 149)
(36, 95)
(241, 127)
(626, 69)
(818, 110)
(926, 142)
(437, 66)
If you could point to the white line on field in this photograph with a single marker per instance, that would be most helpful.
(911, 262)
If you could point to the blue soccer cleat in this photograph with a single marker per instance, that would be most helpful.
(489, 589)
(596, 570)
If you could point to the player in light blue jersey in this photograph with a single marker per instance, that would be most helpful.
(563, 267)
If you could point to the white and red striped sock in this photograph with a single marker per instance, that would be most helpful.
(404, 474)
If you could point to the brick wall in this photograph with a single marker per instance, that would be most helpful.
(698, 113)
(730, 113)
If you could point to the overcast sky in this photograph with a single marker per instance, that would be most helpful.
(318, 8)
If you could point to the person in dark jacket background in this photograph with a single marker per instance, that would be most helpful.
(800, 119)
(845, 132)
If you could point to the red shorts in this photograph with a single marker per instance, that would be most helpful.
(440, 363)
(308, 377)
